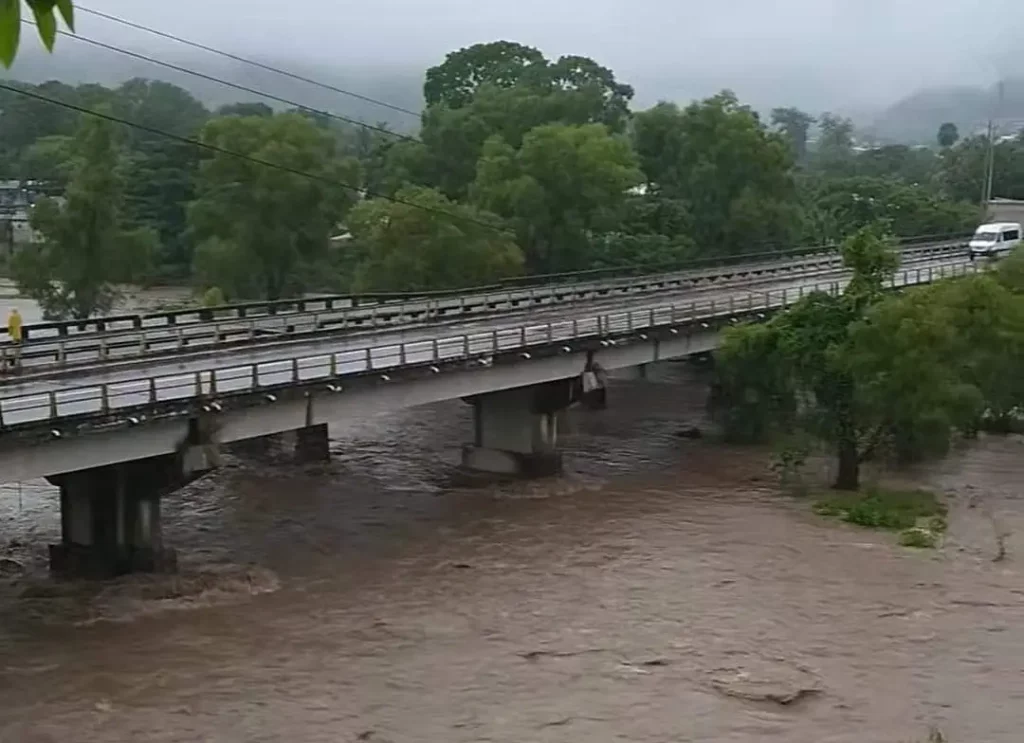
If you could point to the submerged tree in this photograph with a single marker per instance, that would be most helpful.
(858, 370)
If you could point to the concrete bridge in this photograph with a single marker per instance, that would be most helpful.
(118, 434)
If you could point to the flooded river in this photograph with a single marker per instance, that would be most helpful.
(660, 591)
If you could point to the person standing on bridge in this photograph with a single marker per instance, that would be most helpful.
(14, 332)
(14, 325)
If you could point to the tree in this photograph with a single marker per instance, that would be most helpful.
(46, 24)
(795, 125)
(836, 135)
(85, 250)
(732, 173)
(834, 149)
(963, 169)
(158, 105)
(262, 232)
(851, 203)
(561, 187)
(424, 241)
(500, 64)
(948, 135)
(159, 184)
(798, 370)
(245, 109)
(872, 373)
(502, 89)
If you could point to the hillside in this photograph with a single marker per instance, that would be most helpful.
(398, 86)
(917, 117)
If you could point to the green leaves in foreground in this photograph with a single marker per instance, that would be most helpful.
(46, 22)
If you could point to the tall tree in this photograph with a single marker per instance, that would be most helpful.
(834, 150)
(560, 188)
(948, 134)
(85, 249)
(502, 89)
(262, 231)
(732, 173)
(796, 126)
(424, 241)
(801, 356)
(500, 64)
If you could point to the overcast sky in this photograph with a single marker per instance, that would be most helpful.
(840, 53)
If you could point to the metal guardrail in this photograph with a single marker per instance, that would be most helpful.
(124, 344)
(331, 368)
(174, 318)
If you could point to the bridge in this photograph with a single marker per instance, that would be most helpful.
(118, 430)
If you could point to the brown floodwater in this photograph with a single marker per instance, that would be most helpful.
(661, 590)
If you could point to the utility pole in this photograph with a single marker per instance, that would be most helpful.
(990, 159)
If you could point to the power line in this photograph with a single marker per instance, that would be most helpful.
(236, 86)
(244, 60)
(242, 156)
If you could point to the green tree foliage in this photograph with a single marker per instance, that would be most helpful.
(733, 174)
(797, 368)
(835, 138)
(912, 165)
(500, 64)
(948, 134)
(653, 232)
(45, 14)
(85, 248)
(245, 109)
(795, 125)
(158, 188)
(963, 169)
(868, 373)
(158, 105)
(262, 232)
(561, 187)
(47, 159)
(503, 89)
(425, 241)
(840, 206)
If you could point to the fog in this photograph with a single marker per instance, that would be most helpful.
(815, 53)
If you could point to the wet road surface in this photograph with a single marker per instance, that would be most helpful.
(660, 591)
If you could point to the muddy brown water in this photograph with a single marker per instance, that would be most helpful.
(660, 591)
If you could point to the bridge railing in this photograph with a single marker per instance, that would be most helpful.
(119, 342)
(177, 317)
(130, 398)
(120, 345)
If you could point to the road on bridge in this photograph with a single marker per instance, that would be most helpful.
(325, 355)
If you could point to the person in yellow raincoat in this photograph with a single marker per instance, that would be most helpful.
(14, 333)
(14, 325)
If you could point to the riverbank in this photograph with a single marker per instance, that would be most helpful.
(662, 590)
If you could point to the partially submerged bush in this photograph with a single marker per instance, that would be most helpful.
(916, 514)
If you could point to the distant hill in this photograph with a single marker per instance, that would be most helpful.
(398, 86)
(917, 118)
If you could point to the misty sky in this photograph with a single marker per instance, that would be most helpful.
(817, 53)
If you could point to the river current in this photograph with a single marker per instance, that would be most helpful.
(661, 590)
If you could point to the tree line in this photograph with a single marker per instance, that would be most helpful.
(880, 376)
(521, 165)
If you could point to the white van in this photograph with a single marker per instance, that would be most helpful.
(995, 239)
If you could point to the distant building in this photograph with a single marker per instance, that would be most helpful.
(16, 201)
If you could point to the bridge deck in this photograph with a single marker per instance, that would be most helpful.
(104, 387)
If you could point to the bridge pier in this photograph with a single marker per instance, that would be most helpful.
(516, 430)
(110, 518)
(312, 444)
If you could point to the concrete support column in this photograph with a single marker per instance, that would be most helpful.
(516, 431)
(312, 444)
(110, 518)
